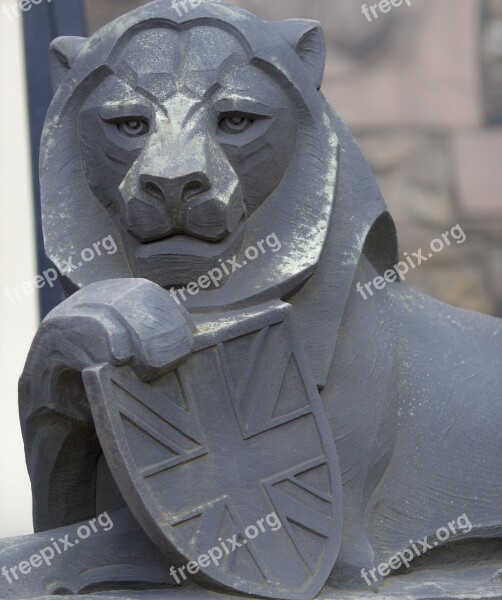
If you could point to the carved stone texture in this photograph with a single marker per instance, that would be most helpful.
(226, 362)
(169, 435)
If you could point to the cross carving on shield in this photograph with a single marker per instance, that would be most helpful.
(235, 433)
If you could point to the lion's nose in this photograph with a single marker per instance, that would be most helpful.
(186, 188)
(174, 191)
(158, 210)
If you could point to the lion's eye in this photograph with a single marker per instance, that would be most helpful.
(235, 124)
(133, 127)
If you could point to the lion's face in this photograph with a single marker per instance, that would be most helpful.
(191, 139)
(183, 143)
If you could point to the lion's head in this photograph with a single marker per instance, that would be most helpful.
(189, 139)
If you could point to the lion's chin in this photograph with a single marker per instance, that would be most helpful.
(179, 260)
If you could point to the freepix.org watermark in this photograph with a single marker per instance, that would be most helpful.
(218, 554)
(215, 276)
(105, 246)
(185, 6)
(402, 268)
(14, 11)
(47, 555)
(384, 6)
(404, 558)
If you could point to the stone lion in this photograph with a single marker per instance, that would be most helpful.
(191, 136)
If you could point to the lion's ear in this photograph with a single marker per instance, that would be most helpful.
(307, 39)
(62, 53)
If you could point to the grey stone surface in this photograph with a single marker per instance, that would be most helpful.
(206, 386)
(428, 586)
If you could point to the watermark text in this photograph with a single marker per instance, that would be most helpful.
(402, 268)
(49, 553)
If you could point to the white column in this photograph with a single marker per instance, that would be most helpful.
(18, 303)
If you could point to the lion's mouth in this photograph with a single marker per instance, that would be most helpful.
(181, 259)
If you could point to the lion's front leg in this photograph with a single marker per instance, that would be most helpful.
(119, 322)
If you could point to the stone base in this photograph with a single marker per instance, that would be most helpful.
(476, 583)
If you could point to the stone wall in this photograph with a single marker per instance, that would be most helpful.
(421, 89)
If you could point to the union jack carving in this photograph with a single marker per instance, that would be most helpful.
(235, 433)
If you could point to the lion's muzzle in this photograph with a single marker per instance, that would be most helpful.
(188, 187)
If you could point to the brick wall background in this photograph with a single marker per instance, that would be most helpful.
(421, 89)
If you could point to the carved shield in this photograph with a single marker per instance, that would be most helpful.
(230, 456)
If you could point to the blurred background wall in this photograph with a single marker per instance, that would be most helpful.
(421, 89)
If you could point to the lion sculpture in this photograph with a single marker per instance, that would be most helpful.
(223, 365)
